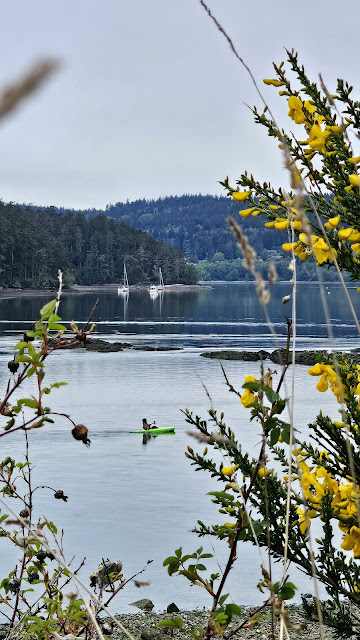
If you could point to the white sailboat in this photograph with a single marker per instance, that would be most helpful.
(154, 289)
(161, 286)
(124, 288)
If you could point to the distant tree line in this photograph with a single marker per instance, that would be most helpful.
(36, 242)
(197, 224)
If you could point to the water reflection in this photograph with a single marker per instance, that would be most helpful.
(230, 312)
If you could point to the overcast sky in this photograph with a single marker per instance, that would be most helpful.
(150, 101)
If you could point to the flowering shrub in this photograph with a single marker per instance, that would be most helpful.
(319, 479)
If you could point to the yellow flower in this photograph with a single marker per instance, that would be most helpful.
(309, 106)
(316, 370)
(318, 138)
(334, 128)
(281, 224)
(228, 471)
(332, 223)
(274, 83)
(354, 160)
(245, 213)
(354, 179)
(241, 196)
(304, 521)
(352, 541)
(229, 525)
(289, 246)
(262, 473)
(248, 398)
(274, 207)
(356, 248)
(344, 234)
(295, 110)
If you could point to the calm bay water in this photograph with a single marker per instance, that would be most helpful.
(136, 502)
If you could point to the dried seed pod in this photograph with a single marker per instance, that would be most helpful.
(80, 432)
(41, 556)
(13, 366)
(14, 585)
(33, 576)
(24, 513)
(59, 495)
(93, 579)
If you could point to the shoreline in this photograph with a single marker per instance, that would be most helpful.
(143, 625)
(104, 288)
(277, 356)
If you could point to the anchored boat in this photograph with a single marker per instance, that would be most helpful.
(124, 288)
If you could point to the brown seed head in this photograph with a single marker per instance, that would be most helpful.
(80, 432)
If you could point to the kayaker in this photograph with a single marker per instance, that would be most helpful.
(146, 425)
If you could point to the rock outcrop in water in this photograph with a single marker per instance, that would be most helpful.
(104, 346)
(278, 356)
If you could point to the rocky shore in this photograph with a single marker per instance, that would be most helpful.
(278, 356)
(104, 346)
(143, 626)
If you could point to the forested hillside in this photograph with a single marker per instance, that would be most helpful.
(34, 244)
(198, 225)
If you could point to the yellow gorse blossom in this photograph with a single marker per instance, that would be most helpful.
(309, 106)
(318, 138)
(273, 82)
(245, 213)
(354, 180)
(328, 378)
(229, 471)
(241, 196)
(262, 473)
(332, 223)
(319, 248)
(296, 110)
(248, 398)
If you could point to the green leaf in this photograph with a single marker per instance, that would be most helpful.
(189, 575)
(47, 309)
(233, 610)
(279, 406)
(252, 386)
(221, 494)
(288, 591)
(174, 623)
(21, 345)
(206, 555)
(200, 567)
(178, 552)
(222, 599)
(170, 560)
(276, 586)
(56, 327)
(271, 395)
(285, 434)
(56, 385)
(23, 359)
(274, 436)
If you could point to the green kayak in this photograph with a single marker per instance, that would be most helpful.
(156, 431)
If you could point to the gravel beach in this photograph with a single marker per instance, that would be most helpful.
(143, 625)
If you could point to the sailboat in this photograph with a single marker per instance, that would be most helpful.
(161, 286)
(154, 289)
(124, 288)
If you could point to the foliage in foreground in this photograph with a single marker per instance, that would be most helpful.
(318, 479)
(37, 597)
